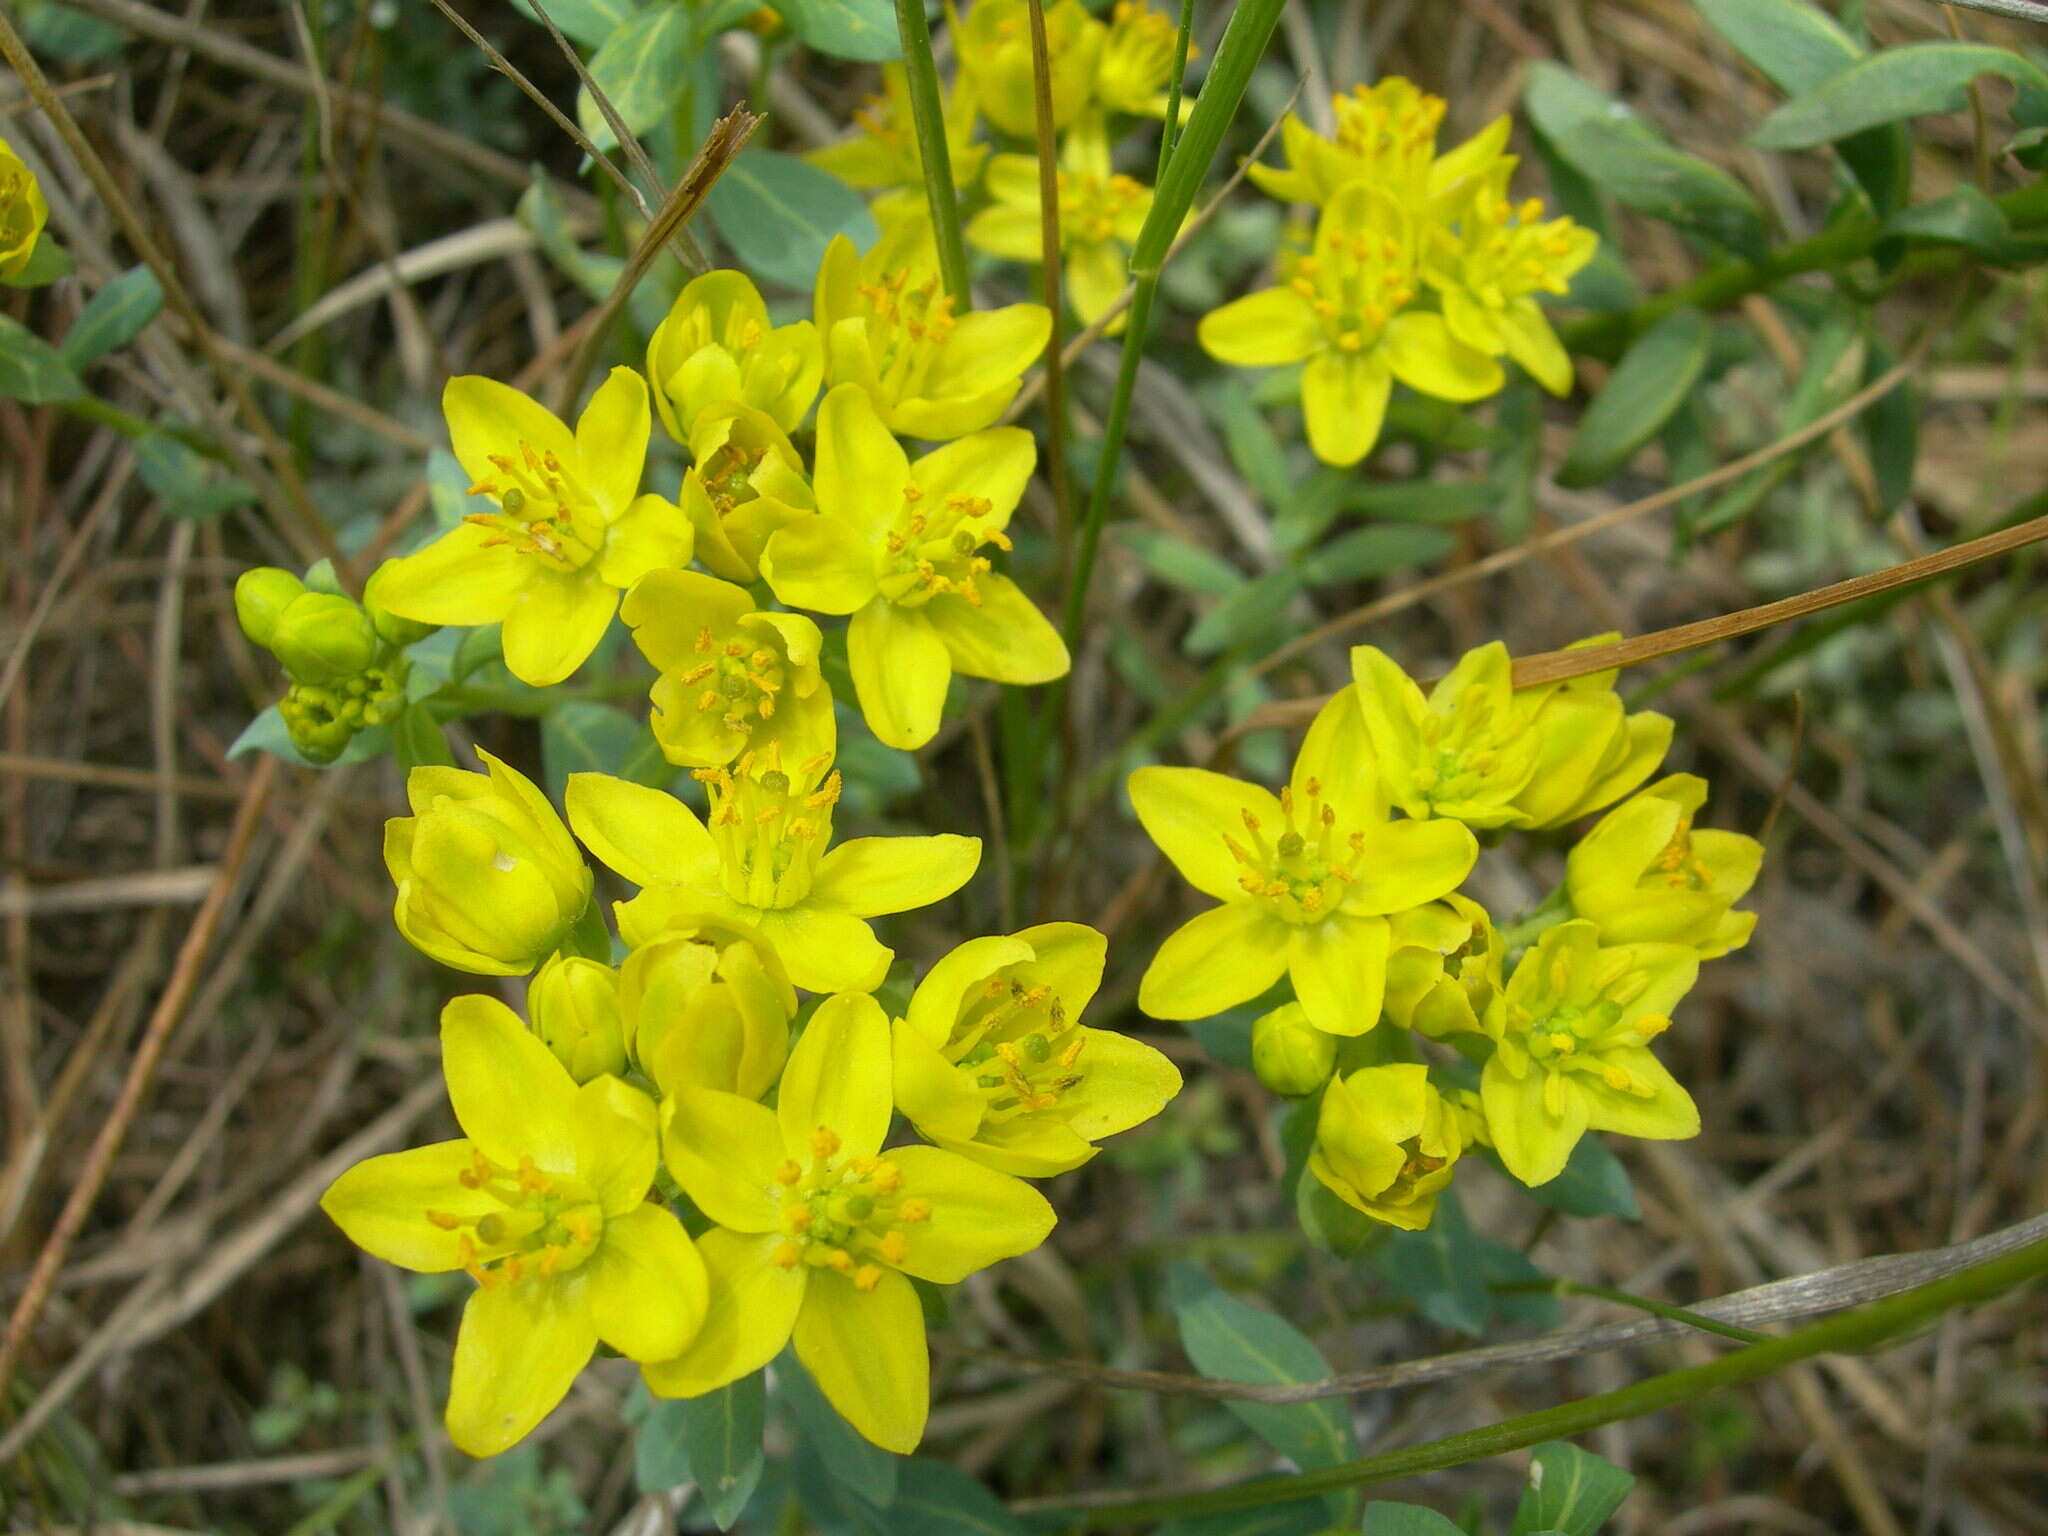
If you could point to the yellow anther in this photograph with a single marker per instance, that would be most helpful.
(913, 1211)
(866, 1278)
(1564, 1044)
(788, 1172)
(894, 1248)
(787, 1255)
(824, 1143)
(887, 1178)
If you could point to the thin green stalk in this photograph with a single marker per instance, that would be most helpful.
(1865, 1328)
(1663, 1309)
(1169, 132)
(1050, 247)
(930, 117)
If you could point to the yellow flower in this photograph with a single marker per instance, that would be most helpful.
(488, 878)
(1386, 1143)
(1290, 1055)
(707, 1002)
(819, 1232)
(569, 533)
(544, 1202)
(1644, 873)
(1386, 135)
(993, 45)
(733, 678)
(890, 328)
(1101, 213)
(747, 482)
(1490, 755)
(1344, 313)
(884, 156)
(1306, 879)
(897, 545)
(716, 347)
(573, 1005)
(1444, 970)
(1137, 59)
(1571, 1049)
(763, 862)
(1490, 270)
(23, 212)
(993, 1062)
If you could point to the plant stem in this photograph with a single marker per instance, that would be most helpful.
(930, 117)
(1169, 131)
(1864, 1328)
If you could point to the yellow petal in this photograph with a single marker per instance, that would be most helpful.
(1530, 341)
(1268, 329)
(511, 1097)
(668, 609)
(992, 466)
(866, 1350)
(486, 417)
(469, 575)
(986, 357)
(381, 1203)
(1667, 1113)
(724, 1151)
(937, 418)
(517, 1352)
(872, 876)
(901, 672)
(1338, 755)
(752, 1306)
(940, 1099)
(617, 1141)
(821, 564)
(1339, 969)
(1126, 1082)
(1534, 1143)
(1069, 958)
(649, 837)
(1008, 229)
(935, 1005)
(611, 438)
(555, 623)
(1405, 863)
(1226, 956)
(1344, 401)
(979, 1216)
(861, 469)
(825, 950)
(838, 1078)
(1425, 356)
(1096, 276)
(1003, 637)
(646, 1286)
(651, 535)
(1190, 812)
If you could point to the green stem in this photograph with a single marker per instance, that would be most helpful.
(1663, 1309)
(90, 408)
(1530, 926)
(1864, 1328)
(1169, 132)
(930, 116)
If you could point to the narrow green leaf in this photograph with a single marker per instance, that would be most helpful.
(1253, 609)
(1965, 217)
(1570, 1490)
(1384, 1519)
(846, 29)
(115, 317)
(417, 740)
(1304, 1517)
(778, 213)
(661, 1448)
(642, 70)
(852, 1460)
(1891, 427)
(723, 1429)
(1188, 566)
(188, 484)
(581, 736)
(1438, 1269)
(541, 211)
(1653, 377)
(1367, 552)
(934, 1499)
(1232, 1340)
(32, 370)
(1593, 1183)
(1912, 81)
(46, 263)
(1833, 371)
(589, 22)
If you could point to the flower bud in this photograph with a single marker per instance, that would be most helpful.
(706, 1003)
(261, 594)
(318, 721)
(1290, 1055)
(572, 1003)
(489, 880)
(1386, 1143)
(389, 626)
(22, 212)
(1443, 968)
(323, 639)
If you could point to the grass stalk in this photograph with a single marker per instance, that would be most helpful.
(929, 115)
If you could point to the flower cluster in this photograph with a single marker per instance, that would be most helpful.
(1422, 268)
(1360, 910)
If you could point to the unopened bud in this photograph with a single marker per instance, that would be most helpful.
(261, 594)
(389, 626)
(1290, 1055)
(572, 1003)
(323, 639)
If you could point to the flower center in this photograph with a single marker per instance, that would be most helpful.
(1510, 251)
(1574, 1033)
(739, 683)
(1091, 205)
(1460, 750)
(1680, 868)
(1137, 58)
(845, 1214)
(1355, 285)
(1417, 1166)
(1392, 131)
(542, 511)
(1303, 871)
(909, 326)
(934, 548)
(1020, 1046)
(545, 1223)
(770, 831)
(728, 475)
(15, 217)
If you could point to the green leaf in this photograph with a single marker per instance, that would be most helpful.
(32, 370)
(846, 29)
(1797, 46)
(1232, 1340)
(1650, 382)
(1179, 563)
(1833, 371)
(1439, 1269)
(1912, 81)
(541, 211)
(1254, 608)
(115, 317)
(1384, 1519)
(1625, 156)
(935, 1499)
(447, 490)
(1424, 501)
(852, 1460)
(1254, 446)
(1593, 1183)
(46, 263)
(189, 484)
(1367, 552)
(64, 32)
(642, 70)
(834, 1508)
(589, 22)
(661, 1447)
(417, 740)
(778, 214)
(723, 1429)
(1965, 217)
(1891, 428)
(1303, 1517)
(1570, 1490)
(581, 736)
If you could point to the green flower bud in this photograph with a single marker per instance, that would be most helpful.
(707, 1004)
(323, 639)
(489, 880)
(317, 722)
(573, 1004)
(389, 626)
(1290, 1055)
(261, 594)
